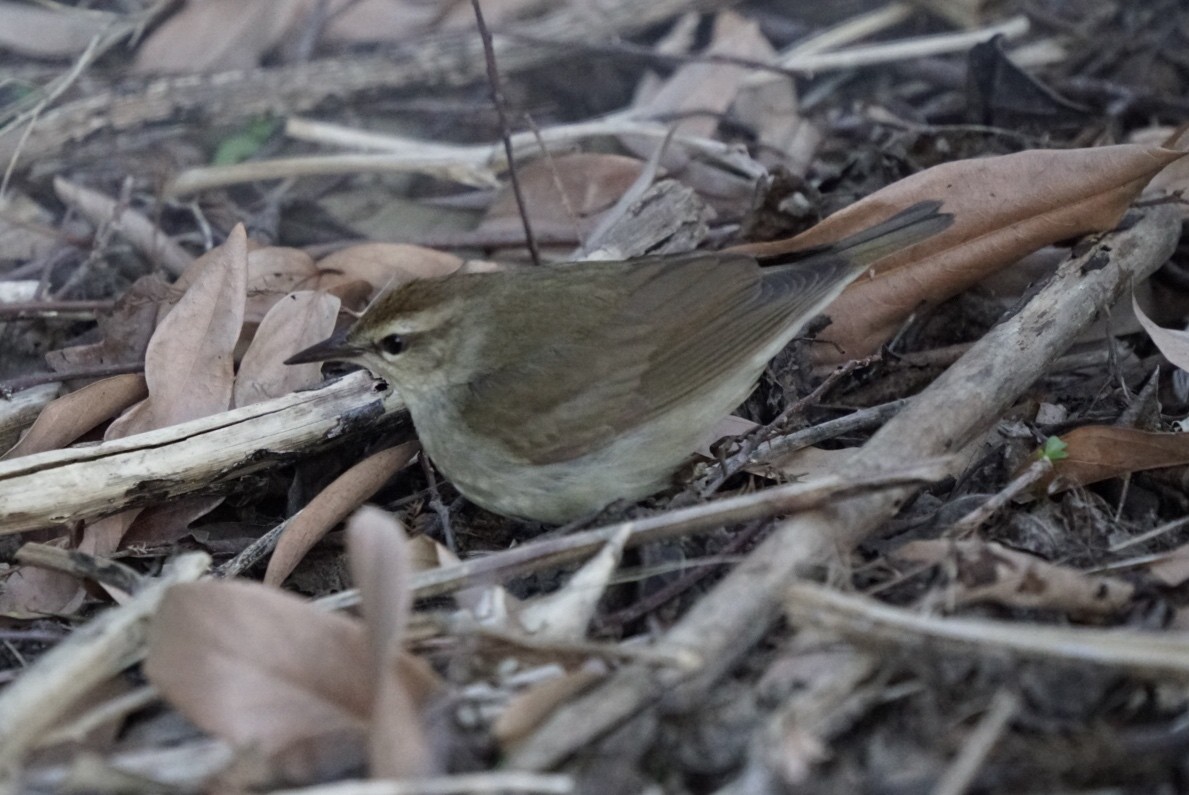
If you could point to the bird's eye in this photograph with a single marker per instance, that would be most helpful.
(392, 345)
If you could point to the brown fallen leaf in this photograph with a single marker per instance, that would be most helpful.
(527, 710)
(1004, 207)
(565, 194)
(273, 273)
(333, 504)
(70, 416)
(990, 572)
(259, 667)
(382, 264)
(189, 362)
(268, 672)
(30, 592)
(382, 570)
(298, 321)
(1098, 452)
(188, 370)
(697, 95)
(125, 331)
(206, 35)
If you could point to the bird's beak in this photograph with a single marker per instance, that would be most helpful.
(332, 348)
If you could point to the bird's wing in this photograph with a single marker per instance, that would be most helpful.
(645, 338)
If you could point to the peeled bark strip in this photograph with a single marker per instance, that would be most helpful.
(62, 486)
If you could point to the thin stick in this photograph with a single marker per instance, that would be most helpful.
(13, 385)
(497, 99)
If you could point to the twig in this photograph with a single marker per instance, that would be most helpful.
(497, 99)
(976, 518)
(82, 566)
(1145, 653)
(774, 447)
(538, 555)
(253, 553)
(66, 310)
(962, 771)
(478, 783)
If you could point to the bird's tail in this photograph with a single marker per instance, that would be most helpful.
(907, 227)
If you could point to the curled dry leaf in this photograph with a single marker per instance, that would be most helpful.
(297, 321)
(565, 614)
(989, 572)
(382, 570)
(1098, 452)
(258, 667)
(333, 504)
(1173, 344)
(70, 416)
(1003, 207)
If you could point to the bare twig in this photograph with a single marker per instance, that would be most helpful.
(497, 99)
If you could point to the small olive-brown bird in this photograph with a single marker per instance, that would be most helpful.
(548, 393)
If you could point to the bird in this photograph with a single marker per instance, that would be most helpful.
(548, 393)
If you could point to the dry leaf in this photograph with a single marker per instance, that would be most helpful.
(564, 195)
(258, 667)
(526, 711)
(189, 360)
(1099, 452)
(1172, 568)
(26, 228)
(300, 320)
(1173, 344)
(332, 505)
(70, 416)
(382, 570)
(188, 371)
(565, 614)
(163, 524)
(1004, 207)
(382, 264)
(49, 32)
(30, 592)
(704, 91)
(372, 21)
(209, 35)
(989, 572)
(125, 331)
(273, 273)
